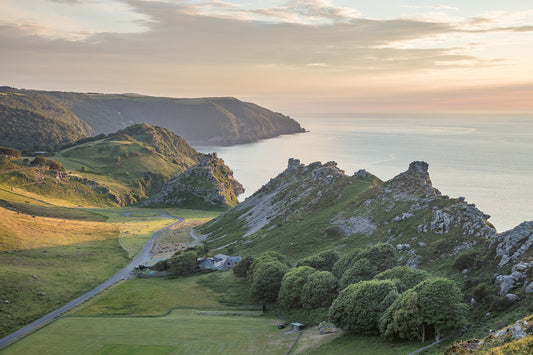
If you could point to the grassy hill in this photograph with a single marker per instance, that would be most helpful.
(199, 121)
(133, 162)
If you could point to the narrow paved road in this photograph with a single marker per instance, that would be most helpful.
(126, 273)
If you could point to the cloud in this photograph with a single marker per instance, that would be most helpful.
(431, 7)
(300, 48)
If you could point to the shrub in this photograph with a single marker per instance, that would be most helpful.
(243, 266)
(465, 260)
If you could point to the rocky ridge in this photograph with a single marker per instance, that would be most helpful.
(209, 183)
(318, 206)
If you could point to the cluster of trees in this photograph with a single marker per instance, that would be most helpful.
(365, 290)
(9, 153)
(42, 162)
(184, 262)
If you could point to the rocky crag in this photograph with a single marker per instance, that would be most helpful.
(317, 207)
(209, 183)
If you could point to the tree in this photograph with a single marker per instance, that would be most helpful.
(433, 304)
(265, 258)
(405, 277)
(182, 263)
(38, 161)
(319, 291)
(54, 165)
(10, 153)
(360, 306)
(243, 266)
(344, 262)
(403, 318)
(440, 305)
(361, 270)
(381, 256)
(323, 261)
(291, 286)
(267, 280)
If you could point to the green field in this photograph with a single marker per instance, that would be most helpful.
(176, 316)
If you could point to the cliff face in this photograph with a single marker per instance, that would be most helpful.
(209, 183)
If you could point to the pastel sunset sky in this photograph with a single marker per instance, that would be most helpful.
(292, 56)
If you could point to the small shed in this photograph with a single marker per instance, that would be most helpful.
(296, 327)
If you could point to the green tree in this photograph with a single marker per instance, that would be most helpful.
(319, 291)
(291, 286)
(54, 165)
(344, 262)
(361, 270)
(405, 277)
(10, 153)
(381, 256)
(267, 280)
(182, 263)
(403, 319)
(265, 258)
(360, 306)
(323, 261)
(38, 161)
(243, 266)
(432, 305)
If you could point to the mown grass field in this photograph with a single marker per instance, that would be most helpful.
(175, 316)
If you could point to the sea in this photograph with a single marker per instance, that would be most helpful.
(487, 159)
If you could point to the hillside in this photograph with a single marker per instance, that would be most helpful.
(137, 162)
(200, 121)
(317, 208)
(31, 120)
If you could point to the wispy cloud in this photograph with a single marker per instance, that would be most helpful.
(431, 7)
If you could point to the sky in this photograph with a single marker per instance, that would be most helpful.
(316, 56)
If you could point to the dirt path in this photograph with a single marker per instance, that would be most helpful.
(126, 273)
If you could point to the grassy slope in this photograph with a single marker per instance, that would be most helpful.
(55, 260)
(41, 186)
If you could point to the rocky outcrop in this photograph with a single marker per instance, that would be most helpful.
(514, 243)
(209, 183)
(415, 179)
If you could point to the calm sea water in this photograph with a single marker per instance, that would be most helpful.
(488, 160)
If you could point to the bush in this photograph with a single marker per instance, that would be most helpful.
(243, 266)
(465, 260)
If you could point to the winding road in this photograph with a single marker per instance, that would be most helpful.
(126, 273)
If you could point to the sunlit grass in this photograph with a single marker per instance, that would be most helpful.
(22, 231)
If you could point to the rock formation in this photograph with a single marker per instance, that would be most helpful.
(209, 183)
